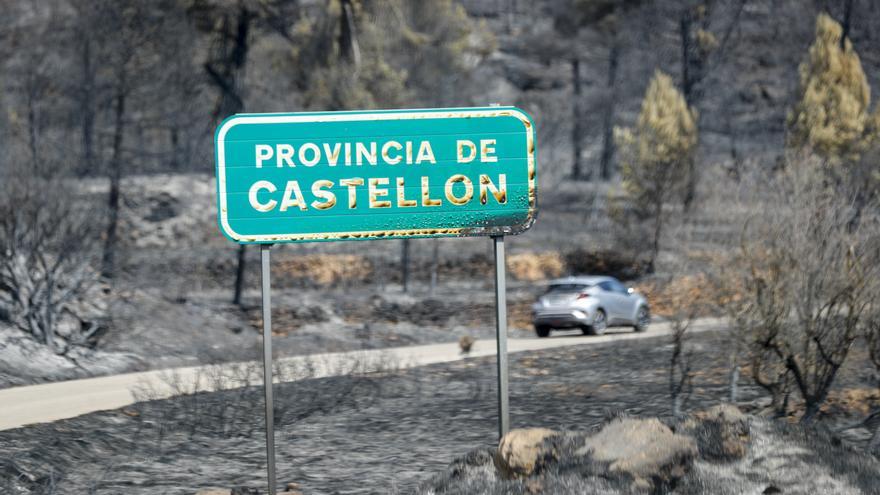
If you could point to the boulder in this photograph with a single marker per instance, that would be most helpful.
(644, 451)
(476, 464)
(290, 489)
(293, 488)
(629, 456)
(466, 342)
(721, 433)
(524, 451)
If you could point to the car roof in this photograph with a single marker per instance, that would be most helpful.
(582, 279)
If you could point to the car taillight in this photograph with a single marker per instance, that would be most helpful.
(584, 296)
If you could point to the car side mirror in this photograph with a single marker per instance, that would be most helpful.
(630, 291)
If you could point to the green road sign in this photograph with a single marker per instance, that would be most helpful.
(376, 174)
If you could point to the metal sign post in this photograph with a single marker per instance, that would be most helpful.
(267, 365)
(501, 334)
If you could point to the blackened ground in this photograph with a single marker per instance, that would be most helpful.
(378, 434)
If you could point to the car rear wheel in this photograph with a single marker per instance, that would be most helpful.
(643, 318)
(542, 331)
(600, 323)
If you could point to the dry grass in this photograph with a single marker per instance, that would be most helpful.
(519, 314)
(286, 320)
(325, 269)
(533, 266)
(679, 294)
(853, 401)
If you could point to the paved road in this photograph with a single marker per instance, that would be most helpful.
(20, 406)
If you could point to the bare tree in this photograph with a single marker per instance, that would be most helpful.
(872, 337)
(705, 41)
(229, 27)
(117, 45)
(680, 319)
(606, 160)
(48, 241)
(804, 279)
(572, 18)
(85, 90)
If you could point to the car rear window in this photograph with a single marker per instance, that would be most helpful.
(567, 288)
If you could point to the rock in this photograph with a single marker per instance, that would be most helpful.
(476, 464)
(630, 456)
(162, 207)
(292, 488)
(465, 343)
(529, 75)
(534, 486)
(643, 450)
(721, 433)
(523, 451)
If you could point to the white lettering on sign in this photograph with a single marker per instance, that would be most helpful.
(327, 197)
(386, 152)
(461, 146)
(283, 154)
(304, 152)
(358, 153)
(255, 190)
(425, 153)
(458, 190)
(487, 150)
(297, 199)
(264, 152)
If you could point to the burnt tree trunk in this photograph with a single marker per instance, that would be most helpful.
(174, 135)
(108, 265)
(608, 124)
(33, 125)
(689, 78)
(847, 22)
(348, 43)
(86, 107)
(577, 130)
(658, 231)
(239, 275)
(225, 71)
(404, 264)
(435, 264)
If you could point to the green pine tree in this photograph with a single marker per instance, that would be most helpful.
(655, 155)
(832, 116)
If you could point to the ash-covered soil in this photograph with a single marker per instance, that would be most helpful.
(382, 433)
(152, 329)
(171, 303)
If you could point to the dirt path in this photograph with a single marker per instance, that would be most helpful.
(20, 406)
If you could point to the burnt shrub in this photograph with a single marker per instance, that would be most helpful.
(619, 264)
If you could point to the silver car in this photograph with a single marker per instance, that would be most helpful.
(591, 304)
